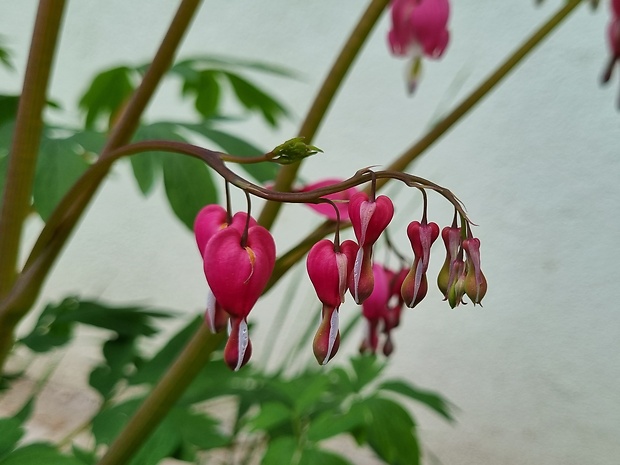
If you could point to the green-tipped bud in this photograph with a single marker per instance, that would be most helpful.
(292, 151)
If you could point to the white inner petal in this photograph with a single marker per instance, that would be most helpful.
(210, 313)
(341, 263)
(243, 339)
(357, 272)
(333, 333)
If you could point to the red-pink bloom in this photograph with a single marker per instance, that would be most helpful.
(475, 282)
(613, 39)
(374, 308)
(208, 222)
(451, 236)
(615, 8)
(391, 316)
(369, 219)
(329, 270)
(237, 273)
(419, 26)
(415, 285)
(340, 199)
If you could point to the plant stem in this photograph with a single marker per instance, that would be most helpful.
(163, 397)
(121, 133)
(323, 100)
(27, 136)
(295, 254)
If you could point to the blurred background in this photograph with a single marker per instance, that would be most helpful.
(535, 373)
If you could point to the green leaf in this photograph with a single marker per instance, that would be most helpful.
(198, 429)
(330, 423)
(255, 99)
(11, 432)
(280, 451)
(206, 89)
(312, 456)
(152, 370)
(262, 172)
(189, 65)
(271, 415)
(58, 167)
(189, 187)
(121, 357)
(390, 432)
(87, 457)
(8, 108)
(54, 328)
(430, 399)
(38, 454)
(107, 93)
(366, 368)
(147, 165)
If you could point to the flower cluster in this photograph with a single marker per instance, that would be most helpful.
(380, 291)
(239, 257)
(613, 39)
(419, 28)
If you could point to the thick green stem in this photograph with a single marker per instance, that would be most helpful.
(28, 127)
(167, 392)
(323, 99)
(286, 261)
(24, 151)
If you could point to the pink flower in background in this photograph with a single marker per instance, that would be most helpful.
(613, 40)
(419, 28)
(341, 199)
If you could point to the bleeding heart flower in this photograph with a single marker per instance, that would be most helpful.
(475, 282)
(208, 222)
(340, 199)
(451, 236)
(374, 308)
(237, 274)
(369, 219)
(329, 270)
(419, 28)
(421, 236)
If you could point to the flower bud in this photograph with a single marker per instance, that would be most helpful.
(475, 283)
(452, 240)
(415, 285)
(238, 349)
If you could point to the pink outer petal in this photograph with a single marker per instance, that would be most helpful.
(326, 273)
(615, 8)
(369, 219)
(375, 305)
(341, 198)
(237, 275)
(208, 221)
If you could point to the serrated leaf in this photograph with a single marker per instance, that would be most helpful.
(255, 99)
(280, 451)
(271, 415)
(189, 187)
(58, 167)
(107, 93)
(38, 454)
(231, 144)
(11, 432)
(428, 398)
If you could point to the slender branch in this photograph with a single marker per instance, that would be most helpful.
(166, 393)
(28, 128)
(284, 262)
(323, 100)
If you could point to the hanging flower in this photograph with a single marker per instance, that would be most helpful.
(419, 29)
(340, 199)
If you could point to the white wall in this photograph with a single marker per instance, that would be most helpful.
(534, 373)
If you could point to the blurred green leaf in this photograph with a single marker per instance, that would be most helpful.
(330, 423)
(87, 457)
(11, 432)
(189, 186)
(8, 108)
(121, 358)
(107, 93)
(390, 432)
(38, 454)
(312, 456)
(280, 451)
(271, 414)
(5, 56)
(366, 368)
(430, 399)
(262, 172)
(146, 166)
(58, 167)
(255, 99)
(206, 90)
(186, 67)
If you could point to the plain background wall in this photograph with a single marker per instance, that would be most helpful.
(535, 373)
